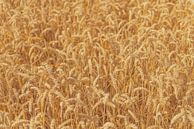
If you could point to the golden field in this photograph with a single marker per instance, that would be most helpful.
(96, 64)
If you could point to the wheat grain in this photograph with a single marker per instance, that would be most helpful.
(92, 64)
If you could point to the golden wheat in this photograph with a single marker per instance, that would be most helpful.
(96, 64)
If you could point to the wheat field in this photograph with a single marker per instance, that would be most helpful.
(96, 64)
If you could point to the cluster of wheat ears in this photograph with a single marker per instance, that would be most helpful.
(96, 64)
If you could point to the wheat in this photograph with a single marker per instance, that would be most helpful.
(133, 116)
(52, 125)
(108, 125)
(72, 64)
(64, 124)
(176, 117)
(19, 122)
(3, 126)
(133, 126)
